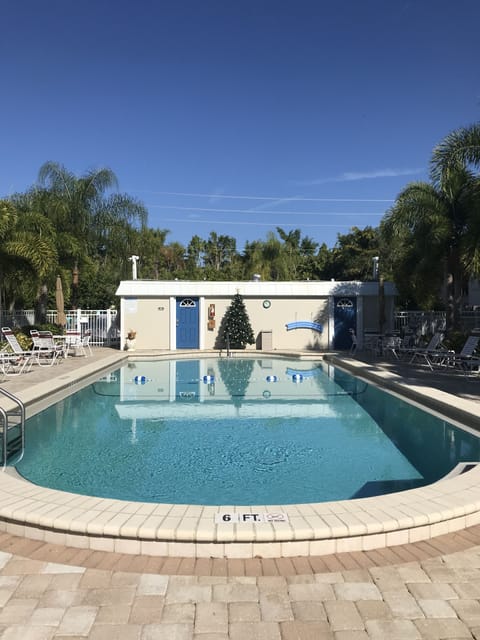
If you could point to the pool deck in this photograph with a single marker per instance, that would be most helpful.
(421, 590)
(195, 531)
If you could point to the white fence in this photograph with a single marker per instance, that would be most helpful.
(102, 324)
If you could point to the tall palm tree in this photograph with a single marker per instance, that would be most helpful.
(102, 223)
(438, 224)
(86, 205)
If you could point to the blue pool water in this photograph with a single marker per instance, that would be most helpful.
(237, 431)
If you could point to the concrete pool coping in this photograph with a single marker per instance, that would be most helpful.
(192, 531)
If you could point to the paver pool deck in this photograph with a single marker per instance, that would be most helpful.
(416, 589)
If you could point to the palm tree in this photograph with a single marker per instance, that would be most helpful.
(439, 223)
(94, 223)
(27, 253)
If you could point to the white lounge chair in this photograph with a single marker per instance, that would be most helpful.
(16, 361)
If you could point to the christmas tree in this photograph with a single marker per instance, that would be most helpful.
(237, 331)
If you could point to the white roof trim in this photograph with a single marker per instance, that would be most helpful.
(311, 288)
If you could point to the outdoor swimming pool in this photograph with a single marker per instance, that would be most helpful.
(238, 431)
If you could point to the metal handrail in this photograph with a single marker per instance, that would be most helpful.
(4, 413)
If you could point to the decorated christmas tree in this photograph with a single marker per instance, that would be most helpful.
(237, 331)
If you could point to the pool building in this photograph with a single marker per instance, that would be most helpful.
(293, 315)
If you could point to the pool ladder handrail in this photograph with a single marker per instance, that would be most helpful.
(5, 414)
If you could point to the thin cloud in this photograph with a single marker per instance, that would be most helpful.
(351, 176)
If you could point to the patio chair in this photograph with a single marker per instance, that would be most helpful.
(467, 359)
(16, 361)
(434, 351)
(45, 350)
(12, 364)
(86, 342)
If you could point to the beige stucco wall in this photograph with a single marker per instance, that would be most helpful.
(150, 318)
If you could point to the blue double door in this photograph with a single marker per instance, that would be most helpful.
(187, 323)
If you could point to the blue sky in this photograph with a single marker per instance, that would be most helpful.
(238, 117)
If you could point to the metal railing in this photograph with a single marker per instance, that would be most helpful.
(429, 322)
(18, 443)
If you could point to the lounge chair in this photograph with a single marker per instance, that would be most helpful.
(13, 365)
(467, 359)
(434, 351)
(16, 361)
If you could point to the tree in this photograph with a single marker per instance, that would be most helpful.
(27, 254)
(434, 229)
(103, 224)
(351, 257)
(236, 331)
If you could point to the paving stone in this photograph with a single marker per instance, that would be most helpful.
(403, 605)
(412, 572)
(373, 609)
(50, 616)
(272, 584)
(33, 586)
(114, 632)
(167, 632)
(387, 578)
(244, 612)
(469, 590)
(5, 595)
(275, 607)
(235, 592)
(146, 609)
(62, 598)
(299, 630)
(357, 591)
(95, 579)
(351, 635)
(432, 591)
(357, 575)
(392, 630)
(22, 566)
(311, 591)
(153, 585)
(444, 628)
(330, 577)
(67, 581)
(29, 632)
(468, 611)
(113, 614)
(77, 620)
(99, 597)
(177, 593)
(343, 616)
(211, 617)
(437, 609)
(308, 611)
(254, 631)
(17, 610)
(179, 613)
